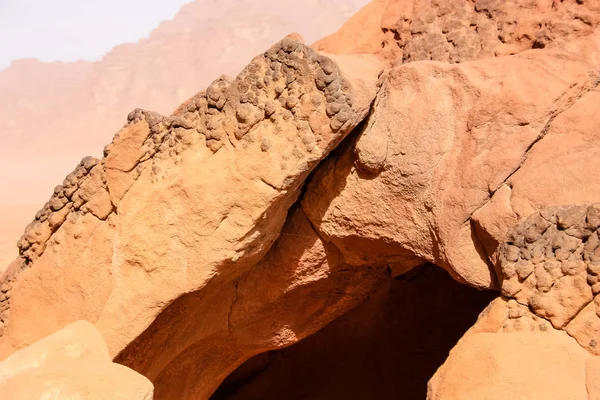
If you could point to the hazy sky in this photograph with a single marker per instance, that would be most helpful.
(67, 30)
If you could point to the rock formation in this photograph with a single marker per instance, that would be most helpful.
(456, 31)
(396, 339)
(72, 363)
(214, 183)
(51, 114)
(268, 207)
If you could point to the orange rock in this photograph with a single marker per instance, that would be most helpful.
(182, 205)
(400, 31)
(441, 141)
(519, 366)
(71, 363)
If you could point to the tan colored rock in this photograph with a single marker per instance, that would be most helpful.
(182, 205)
(53, 113)
(396, 338)
(592, 371)
(520, 366)
(457, 31)
(551, 262)
(562, 159)
(508, 316)
(71, 363)
(441, 141)
(301, 285)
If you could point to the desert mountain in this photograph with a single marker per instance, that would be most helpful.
(53, 113)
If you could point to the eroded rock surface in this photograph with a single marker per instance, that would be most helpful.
(196, 243)
(519, 366)
(441, 142)
(180, 202)
(396, 338)
(54, 113)
(547, 315)
(72, 363)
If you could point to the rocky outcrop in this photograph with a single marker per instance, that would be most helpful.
(441, 142)
(191, 202)
(518, 366)
(545, 321)
(54, 113)
(396, 338)
(72, 363)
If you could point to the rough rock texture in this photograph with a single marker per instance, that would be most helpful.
(550, 263)
(203, 239)
(546, 320)
(396, 339)
(444, 139)
(72, 363)
(300, 286)
(51, 114)
(188, 203)
(456, 31)
(512, 352)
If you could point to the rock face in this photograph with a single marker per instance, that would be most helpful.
(52, 114)
(213, 183)
(545, 322)
(517, 366)
(72, 363)
(267, 207)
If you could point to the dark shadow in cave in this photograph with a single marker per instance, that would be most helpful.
(389, 347)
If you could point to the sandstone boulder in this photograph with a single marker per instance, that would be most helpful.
(442, 140)
(454, 31)
(184, 205)
(72, 363)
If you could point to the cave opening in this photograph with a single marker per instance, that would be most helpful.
(388, 347)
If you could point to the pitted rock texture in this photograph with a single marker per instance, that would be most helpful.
(519, 366)
(185, 204)
(197, 242)
(72, 363)
(546, 320)
(510, 351)
(551, 262)
(456, 31)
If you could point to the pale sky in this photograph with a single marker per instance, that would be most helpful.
(67, 30)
